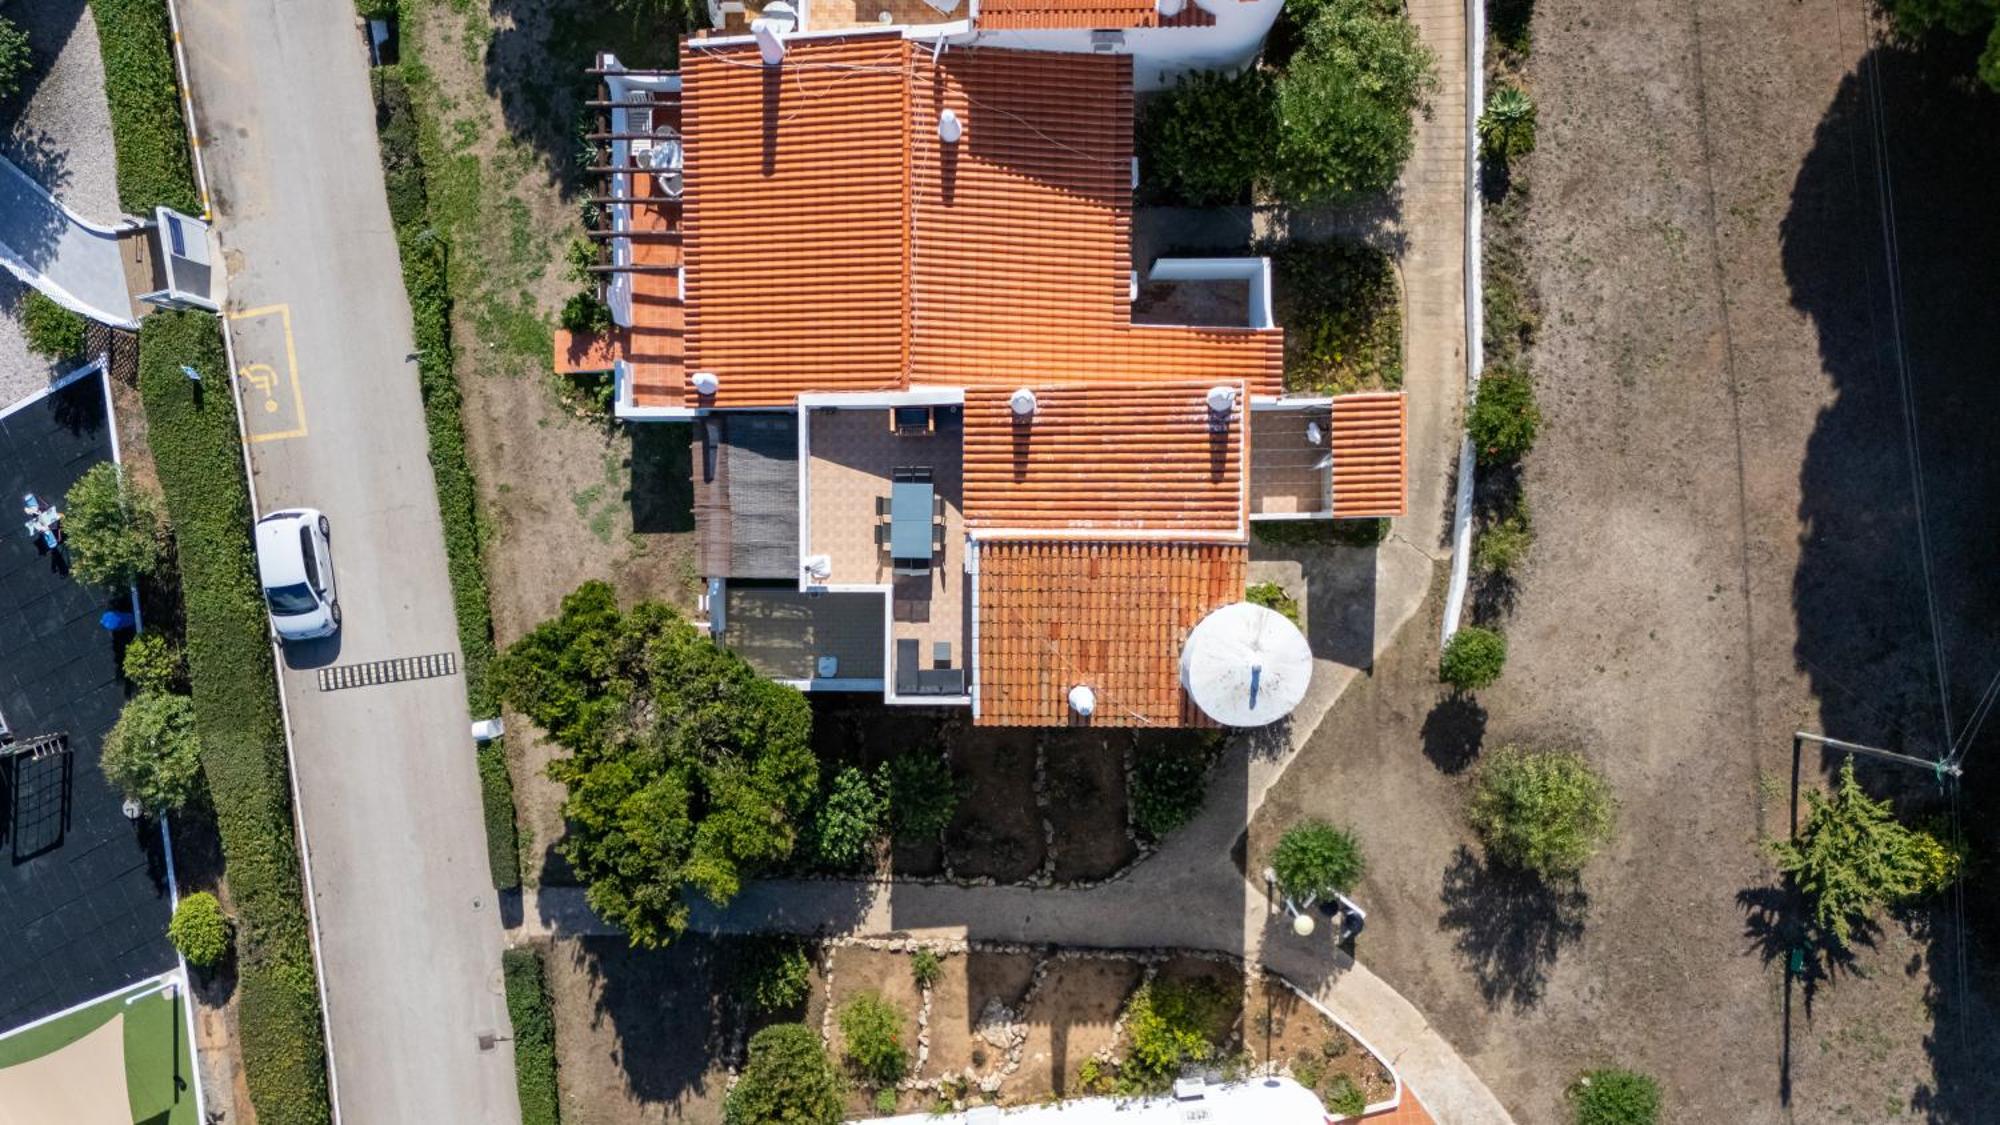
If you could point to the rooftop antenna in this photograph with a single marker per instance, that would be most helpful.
(950, 128)
(705, 383)
(1083, 701)
(770, 40)
(1022, 403)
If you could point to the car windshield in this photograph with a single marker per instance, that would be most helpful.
(287, 601)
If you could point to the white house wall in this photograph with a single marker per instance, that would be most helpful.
(1161, 54)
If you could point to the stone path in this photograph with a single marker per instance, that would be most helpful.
(1191, 893)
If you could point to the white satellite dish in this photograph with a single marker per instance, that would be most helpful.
(1246, 666)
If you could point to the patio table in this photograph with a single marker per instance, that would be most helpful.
(910, 523)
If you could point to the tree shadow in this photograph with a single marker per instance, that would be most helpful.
(667, 1007)
(1511, 926)
(1453, 733)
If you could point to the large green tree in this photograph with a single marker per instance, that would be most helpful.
(687, 769)
(113, 527)
(1981, 18)
(1346, 100)
(1852, 857)
(153, 754)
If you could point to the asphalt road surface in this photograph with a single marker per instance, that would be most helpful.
(410, 934)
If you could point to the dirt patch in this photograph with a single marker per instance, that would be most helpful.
(1284, 1029)
(1069, 1018)
(997, 832)
(1083, 793)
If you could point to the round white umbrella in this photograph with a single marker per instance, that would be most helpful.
(1246, 666)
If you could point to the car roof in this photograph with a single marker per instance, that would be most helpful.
(280, 560)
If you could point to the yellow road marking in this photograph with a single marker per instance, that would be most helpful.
(262, 379)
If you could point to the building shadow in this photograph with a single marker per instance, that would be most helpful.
(1340, 603)
(662, 493)
(1511, 926)
(1888, 247)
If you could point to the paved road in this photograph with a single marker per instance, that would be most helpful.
(410, 938)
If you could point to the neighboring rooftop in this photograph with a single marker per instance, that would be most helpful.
(1110, 615)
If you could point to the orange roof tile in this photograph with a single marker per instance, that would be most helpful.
(1111, 615)
(1107, 458)
(655, 346)
(584, 353)
(835, 243)
(1369, 442)
(1091, 14)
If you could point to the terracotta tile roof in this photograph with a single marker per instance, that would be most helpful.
(998, 15)
(1369, 442)
(588, 352)
(655, 345)
(1410, 1112)
(1104, 459)
(834, 243)
(1110, 615)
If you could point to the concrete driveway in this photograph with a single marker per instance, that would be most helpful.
(409, 932)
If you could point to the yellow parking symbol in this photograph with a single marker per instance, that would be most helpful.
(273, 404)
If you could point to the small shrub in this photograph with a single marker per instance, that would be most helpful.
(1270, 595)
(885, 1100)
(775, 974)
(1208, 138)
(1504, 417)
(1313, 859)
(1093, 1077)
(1472, 658)
(871, 1034)
(1507, 124)
(113, 528)
(52, 332)
(1344, 1097)
(849, 821)
(199, 930)
(1307, 1071)
(1542, 811)
(923, 794)
(1342, 308)
(534, 1036)
(926, 967)
(584, 314)
(1314, 533)
(1512, 23)
(17, 58)
(1171, 1024)
(152, 755)
(1503, 543)
(1169, 782)
(1615, 1097)
(1853, 857)
(1941, 856)
(581, 255)
(788, 1079)
(152, 663)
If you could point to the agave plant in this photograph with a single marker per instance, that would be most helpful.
(1507, 127)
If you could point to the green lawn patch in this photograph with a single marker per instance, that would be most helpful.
(155, 166)
(156, 1051)
(534, 1037)
(200, 458)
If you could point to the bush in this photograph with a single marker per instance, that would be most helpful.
(1504, 542)
(1314, 859)
(1512, 23)
(774, 974)
(1542, 811)
(1615, 1097)
(152, 755)
(534, 1036)
(1342, 309)
(1504, 417)
(871, 1035)
(788, 1079)
(687, 770)
(496, 800)
(1272, 596)
(1852, 857)
(923, 795)
(155, 168)
(402, 167)
(152, 663)
(850, 819)
(1169, 782)
(17, 58)
(585, 314)
(112, 527)
(1206, 140)
(198, 450)
(1345, 1098)
(1318, 533)
(926, 967)
(1346, 100)
(1472, 658)
(1507, 124)
(199, 931)
(52, 332)
(1169, 1025)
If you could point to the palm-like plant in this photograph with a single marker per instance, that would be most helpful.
(1507, 127)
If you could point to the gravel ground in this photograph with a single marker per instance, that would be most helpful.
(58, 129)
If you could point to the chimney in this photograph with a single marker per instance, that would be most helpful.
(1221, 400)
(1083, 701)
(1022, 403)
(950, 128)
(705, 383)
(770, 43)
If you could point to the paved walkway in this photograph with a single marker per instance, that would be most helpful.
(74, 262)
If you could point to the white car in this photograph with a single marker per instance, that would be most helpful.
(295, 567)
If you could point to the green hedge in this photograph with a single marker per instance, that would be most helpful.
(200, 458)
(155, 166)
(534, 1037)
(425, 256)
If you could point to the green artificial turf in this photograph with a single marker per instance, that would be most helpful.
(159, 1063)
